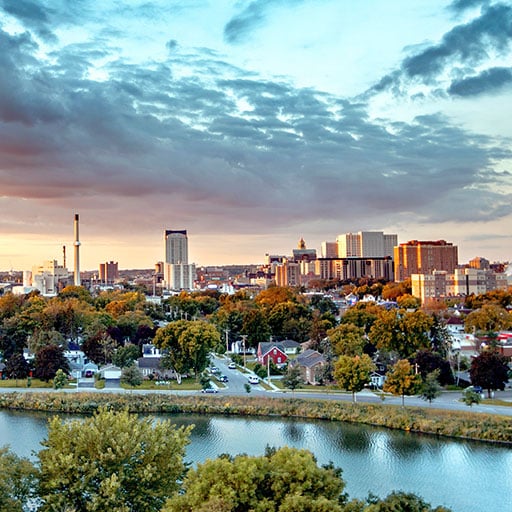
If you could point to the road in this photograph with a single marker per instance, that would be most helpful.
(449, 400)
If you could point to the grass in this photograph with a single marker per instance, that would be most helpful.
(34, 383)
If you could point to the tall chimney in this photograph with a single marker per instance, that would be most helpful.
(64, 256)
(77, 252)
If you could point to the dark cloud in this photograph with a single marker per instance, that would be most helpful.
(462, 5)
(460, 51)
(252, 17)
(488, 81)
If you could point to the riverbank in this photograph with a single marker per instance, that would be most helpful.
(465, 425)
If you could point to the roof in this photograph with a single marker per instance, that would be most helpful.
(149, 362)
(289, 343)
(310, 358)
(266, 346)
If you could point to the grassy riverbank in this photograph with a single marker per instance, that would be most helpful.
(467, 425)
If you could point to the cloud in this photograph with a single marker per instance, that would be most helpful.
(488, 81)
(253, 16)
(461, 49)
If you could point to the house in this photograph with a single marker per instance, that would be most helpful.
(149, 365)
(311, 364)
(290, 347)
(274, 351)
(377, 380)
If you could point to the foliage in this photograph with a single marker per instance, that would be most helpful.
(48, 360)
(401, 502)
(489, 318)
(99, 347)
(247, 387)
(125, 356)
(17, 367)
(242, 483)
(188, 344)
(408, 301)
(470, 397)
(111, 461)
(428, 362)
(401, 332)
(347, 340)
(362, 314)
(292, 379)
(401, 380)
(353, 373)
(16, 483)
(430, 389)
(132, 376)
(60, 379)
(489, 370)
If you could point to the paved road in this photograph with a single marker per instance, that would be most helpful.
(449, 400)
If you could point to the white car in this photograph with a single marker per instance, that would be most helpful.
(253, 379)
(232, 366)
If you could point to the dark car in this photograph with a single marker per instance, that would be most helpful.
(223, 378)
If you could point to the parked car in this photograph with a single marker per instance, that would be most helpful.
(253, 379)
(232, 366)
(209, 390)
(222, 378)
(214, 369)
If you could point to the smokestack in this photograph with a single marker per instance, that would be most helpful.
(64, 256)
(77, 252)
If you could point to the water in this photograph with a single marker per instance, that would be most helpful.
(465, 476)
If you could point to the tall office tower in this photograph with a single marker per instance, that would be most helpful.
(109, 272)
(329, 250)
(176, 246)
(178, 274)
(423, 257)
(366, 244)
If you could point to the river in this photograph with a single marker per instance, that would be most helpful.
(465, 476)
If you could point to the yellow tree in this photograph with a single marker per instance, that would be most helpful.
(401, 380)
(353, 373)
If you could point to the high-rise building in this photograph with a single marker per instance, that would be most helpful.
(109, 272)
(366, 244)
(176, 246)
(178, 274)
(423, 257)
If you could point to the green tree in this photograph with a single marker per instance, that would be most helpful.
(292, 379)
(48, 360)
(401, 332)
(60, 379)
(401, 502)
(489, 370)
(401, 380)
(430, 388)
(125, 356)
(188, 345)
(470, 397)
(132, 376)
(347, 340)
(17, 481)
(111, 461)
(285, 480)
(352, 373)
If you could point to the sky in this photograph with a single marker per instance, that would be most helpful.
(252, 124)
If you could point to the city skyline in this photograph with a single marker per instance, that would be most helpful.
(252, 125)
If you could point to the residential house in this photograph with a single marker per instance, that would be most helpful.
(311, 364)
(274, 351)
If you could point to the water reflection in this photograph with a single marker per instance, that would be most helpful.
(465, 476)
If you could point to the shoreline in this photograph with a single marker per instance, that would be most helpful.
(439, 422)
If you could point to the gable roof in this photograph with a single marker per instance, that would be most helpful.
(265, 347)
(310, 358)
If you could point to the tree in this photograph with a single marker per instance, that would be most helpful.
(401, 502)
(430, 388)
(99, 347)
(489, 370)
(125, 356)
(17, 367)
(111, 461)
(60, 379)
(401, 332)
(288, 480)
(17, 482)
(347, 340)
(470, 397)
(353, 373)
(401, 380)
(490, 318)
(292, 379)
(132, 376)
(427, 362)
(187, 345)
(48, 360)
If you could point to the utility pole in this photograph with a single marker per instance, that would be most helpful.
(227, 340)
(244, 336)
